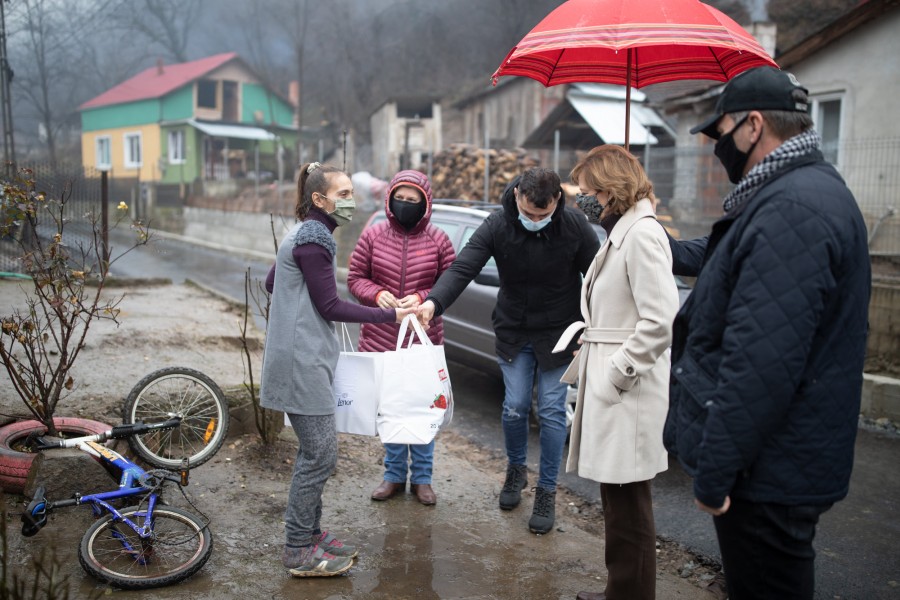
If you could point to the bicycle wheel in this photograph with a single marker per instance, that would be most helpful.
(189, 394)
(113, 553)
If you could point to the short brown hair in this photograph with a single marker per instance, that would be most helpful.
(615, 170)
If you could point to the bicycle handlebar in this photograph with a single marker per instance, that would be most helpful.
(124, 431)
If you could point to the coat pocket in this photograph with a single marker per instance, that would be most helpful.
(601, 387)
(691, 394)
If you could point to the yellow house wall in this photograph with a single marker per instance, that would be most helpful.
(150, 151)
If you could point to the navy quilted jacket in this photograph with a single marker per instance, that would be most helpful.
(768, 350)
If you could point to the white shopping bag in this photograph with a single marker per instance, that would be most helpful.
(416, 397)
(356, 392)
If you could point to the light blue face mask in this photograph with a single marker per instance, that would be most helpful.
(534, 225)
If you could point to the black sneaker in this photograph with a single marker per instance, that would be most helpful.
(516, 480)
(544, 513)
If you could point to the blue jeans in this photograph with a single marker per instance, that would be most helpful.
(518, 378)
(396, 458)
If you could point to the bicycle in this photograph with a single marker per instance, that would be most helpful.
(178, 392)
(143, 546)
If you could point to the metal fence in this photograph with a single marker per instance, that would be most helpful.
(82, 189)
(691, 184)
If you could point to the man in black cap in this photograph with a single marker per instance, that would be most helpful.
(767, 352)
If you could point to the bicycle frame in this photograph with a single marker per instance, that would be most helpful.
(132, 482)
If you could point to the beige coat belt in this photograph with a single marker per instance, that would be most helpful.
(605, 335)
(592, 335)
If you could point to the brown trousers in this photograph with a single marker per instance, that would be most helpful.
(630, 541)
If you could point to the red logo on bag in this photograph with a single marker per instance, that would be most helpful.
(442, 374)
(440, 401)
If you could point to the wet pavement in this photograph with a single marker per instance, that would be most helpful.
(464, 547)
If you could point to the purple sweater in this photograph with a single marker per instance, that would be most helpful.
(317, 266)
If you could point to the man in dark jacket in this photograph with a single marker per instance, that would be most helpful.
(542, 248)
(767, 352)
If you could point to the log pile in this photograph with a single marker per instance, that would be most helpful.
(458, 172)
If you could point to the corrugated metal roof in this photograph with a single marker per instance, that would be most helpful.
(242, 132)
(157, 81)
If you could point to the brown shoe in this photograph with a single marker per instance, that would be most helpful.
(424, 493)
(590, 596)
(387, 490)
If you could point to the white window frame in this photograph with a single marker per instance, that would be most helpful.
(817, 100)
(103, 163)
(177, 147)
(130, 163)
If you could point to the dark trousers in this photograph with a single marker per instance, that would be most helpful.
(630, 541)
(767, 550)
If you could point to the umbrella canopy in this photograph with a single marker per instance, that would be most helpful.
(633, 43)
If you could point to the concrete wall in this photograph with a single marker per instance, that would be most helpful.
(390, 131)
(884, 322)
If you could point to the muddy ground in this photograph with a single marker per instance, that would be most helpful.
(464, 547)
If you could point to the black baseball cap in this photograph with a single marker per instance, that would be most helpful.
(760, 88)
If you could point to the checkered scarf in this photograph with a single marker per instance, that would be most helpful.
(797, 146)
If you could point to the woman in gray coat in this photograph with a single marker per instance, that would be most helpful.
(628, 302)
(300, 356)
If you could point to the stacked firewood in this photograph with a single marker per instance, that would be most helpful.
(459, 171)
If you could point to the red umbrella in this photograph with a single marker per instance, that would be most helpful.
(633, 43)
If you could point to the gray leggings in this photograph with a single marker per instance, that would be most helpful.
(316, 459)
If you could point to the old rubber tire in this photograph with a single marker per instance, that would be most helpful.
(14, 465)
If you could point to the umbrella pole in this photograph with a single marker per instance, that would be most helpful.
(628, 99)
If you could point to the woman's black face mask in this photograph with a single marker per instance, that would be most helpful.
(407, 213)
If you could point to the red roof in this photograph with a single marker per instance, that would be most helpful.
(151, 83)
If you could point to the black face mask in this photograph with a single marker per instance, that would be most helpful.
(407, 213)
(732, 159)
(590, 205)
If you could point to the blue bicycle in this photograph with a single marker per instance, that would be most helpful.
(143, 546)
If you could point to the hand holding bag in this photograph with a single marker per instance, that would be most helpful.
(416, 397)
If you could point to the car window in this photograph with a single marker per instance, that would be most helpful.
(450, 229)
(467, 233)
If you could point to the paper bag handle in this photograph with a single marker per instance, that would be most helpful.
(347, 340)
(417, 331)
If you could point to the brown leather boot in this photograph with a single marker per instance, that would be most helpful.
(590, 596)
(424, 493)
(388, 490)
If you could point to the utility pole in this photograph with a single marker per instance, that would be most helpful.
(9, 147)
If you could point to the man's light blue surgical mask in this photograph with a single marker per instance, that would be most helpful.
(534, 226)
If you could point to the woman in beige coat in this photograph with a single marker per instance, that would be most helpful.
(628, 302)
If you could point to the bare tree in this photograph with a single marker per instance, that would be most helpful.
(42, 68)
(46, 48)
(166, 24)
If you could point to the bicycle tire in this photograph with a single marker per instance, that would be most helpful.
(189, 394)
(180, 546)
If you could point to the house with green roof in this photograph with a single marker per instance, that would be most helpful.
(206, 120)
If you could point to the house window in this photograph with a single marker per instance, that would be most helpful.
(206, 93)
(826, 113)
(103, 160)
(132, 150)
(176, 147)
